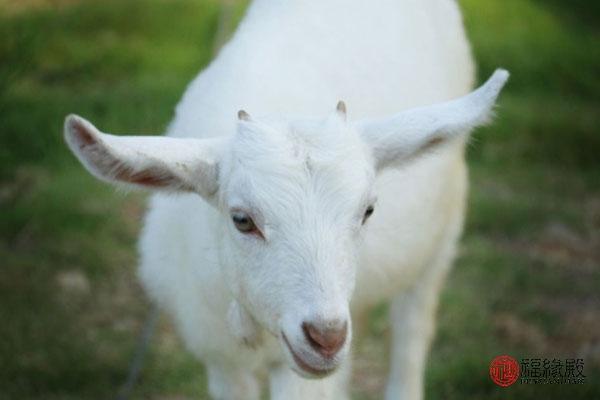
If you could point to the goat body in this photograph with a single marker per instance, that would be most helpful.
(297, 189)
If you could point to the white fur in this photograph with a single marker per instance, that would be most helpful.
(306, 182)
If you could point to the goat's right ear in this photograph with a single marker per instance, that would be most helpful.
(401, 137)
(151, 162)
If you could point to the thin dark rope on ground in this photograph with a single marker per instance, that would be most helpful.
(137, 362)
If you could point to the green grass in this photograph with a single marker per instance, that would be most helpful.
(527, 281)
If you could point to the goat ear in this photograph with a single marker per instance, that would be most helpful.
(151, 162)
(409, 133)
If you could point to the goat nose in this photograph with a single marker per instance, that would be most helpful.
(328, 338)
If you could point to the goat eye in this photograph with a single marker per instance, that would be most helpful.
(244, 223)
(368, 213)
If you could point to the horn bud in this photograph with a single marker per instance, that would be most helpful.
(243, 115)
(340, 108)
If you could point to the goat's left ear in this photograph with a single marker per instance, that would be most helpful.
(402, 136)
(150, 162)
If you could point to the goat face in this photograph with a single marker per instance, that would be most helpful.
(296, 197)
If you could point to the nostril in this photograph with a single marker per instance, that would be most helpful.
(326, 340)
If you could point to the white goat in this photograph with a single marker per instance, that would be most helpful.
(259, 270)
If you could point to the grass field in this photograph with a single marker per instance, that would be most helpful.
(527, 282)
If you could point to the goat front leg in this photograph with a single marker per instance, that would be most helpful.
(413, 314)
(231, 383)
(285, 384)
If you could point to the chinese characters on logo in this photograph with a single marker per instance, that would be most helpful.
(555, 371)
(505, 370)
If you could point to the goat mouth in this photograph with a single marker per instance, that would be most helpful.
(303, 365)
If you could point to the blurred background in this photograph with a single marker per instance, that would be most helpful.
(527, 282)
